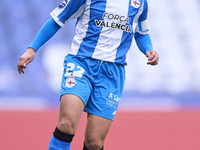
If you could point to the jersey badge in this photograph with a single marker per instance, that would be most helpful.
(70, 82)
(135, 3)
(63, 4)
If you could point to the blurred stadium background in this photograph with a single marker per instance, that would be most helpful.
(167, 96)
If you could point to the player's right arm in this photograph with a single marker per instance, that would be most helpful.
(45, 33)
(25, 59)
(66, 11)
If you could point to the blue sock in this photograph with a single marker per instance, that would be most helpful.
(60, 140)
(58, 145)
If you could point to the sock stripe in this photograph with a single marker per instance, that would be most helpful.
(63, 136)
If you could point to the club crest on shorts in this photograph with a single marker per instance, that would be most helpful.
(70, 82)
(135, 3)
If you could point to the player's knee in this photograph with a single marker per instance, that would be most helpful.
(66, 126)
(94, 144)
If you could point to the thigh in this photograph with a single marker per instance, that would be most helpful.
(71, 107)
(96, 129)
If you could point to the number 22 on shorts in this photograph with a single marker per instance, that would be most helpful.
(70, 70)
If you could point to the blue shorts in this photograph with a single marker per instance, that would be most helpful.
(99, 84)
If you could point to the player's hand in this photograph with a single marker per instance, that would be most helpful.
(153, 57)
(25, 59)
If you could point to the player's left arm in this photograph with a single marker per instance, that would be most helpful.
(143, 39)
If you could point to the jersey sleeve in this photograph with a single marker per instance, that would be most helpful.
(68, 10)
(46, 32)
(141, 35)
(142, 25)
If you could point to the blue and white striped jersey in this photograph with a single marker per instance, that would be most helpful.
(105, 28)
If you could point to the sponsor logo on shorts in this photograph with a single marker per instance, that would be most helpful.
(113, 101)
(70, 82)
(114, 113)
(135, 3)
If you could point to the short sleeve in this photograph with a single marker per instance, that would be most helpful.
(68, 10)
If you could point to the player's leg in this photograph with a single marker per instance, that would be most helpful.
(96, 131)
(103, 103)
(71, 107)
(75, 92)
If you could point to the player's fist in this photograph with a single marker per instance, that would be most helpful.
(153, 57)
(25, 59)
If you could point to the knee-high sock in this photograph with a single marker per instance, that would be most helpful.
(56, 144)
(60, 141)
